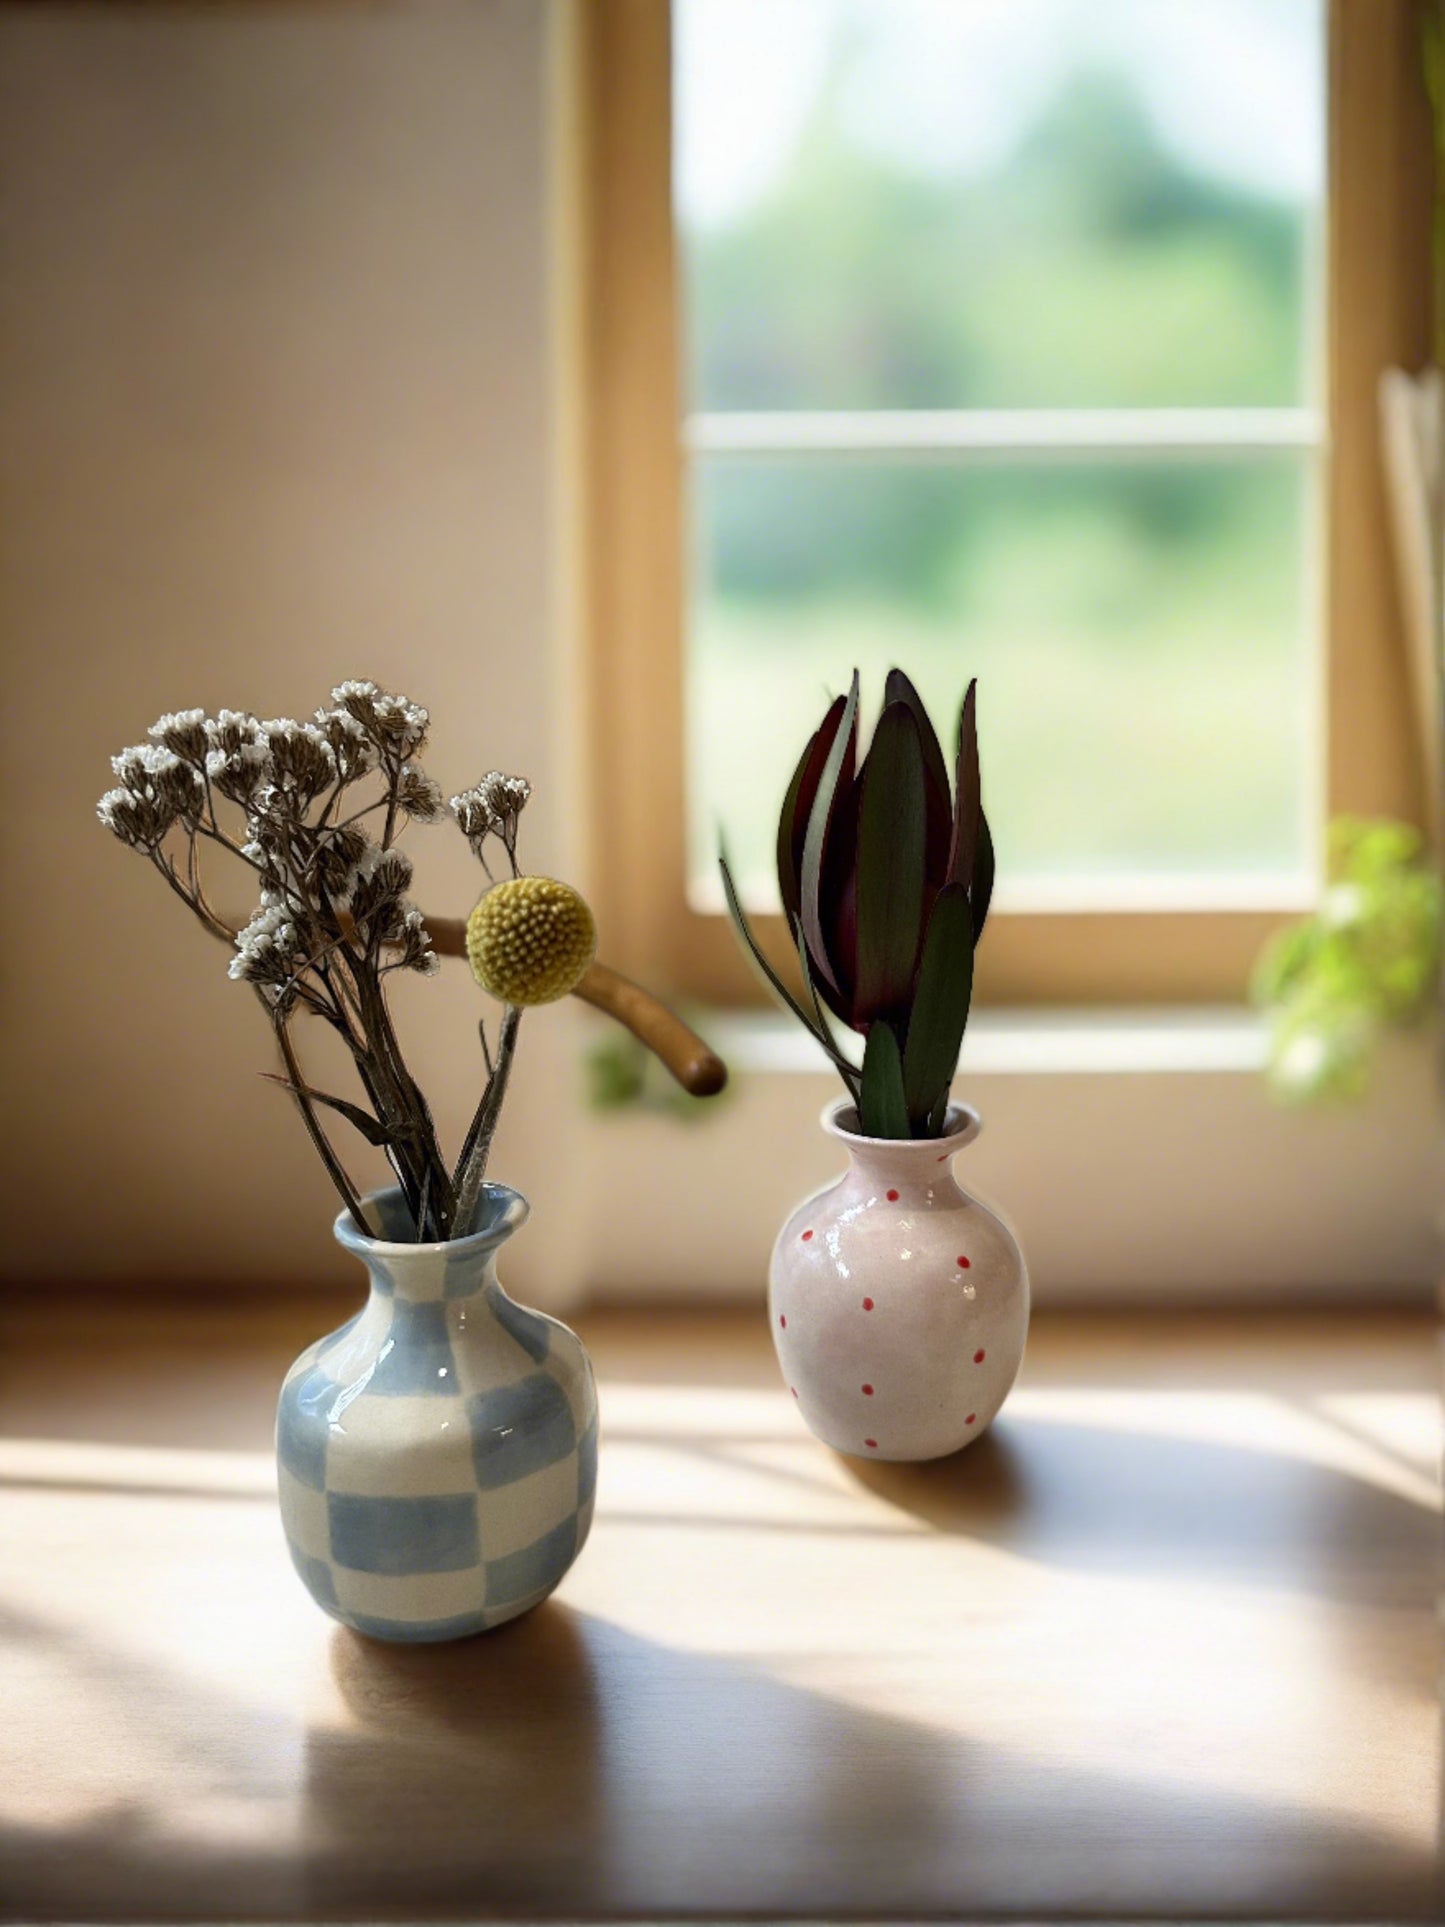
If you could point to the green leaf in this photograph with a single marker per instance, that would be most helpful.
(980, 893)
(819, 821)
(750, 942)
(844, 1065)
(967, 804)
(899, 689)
(891, 828)
(799, 803)
(881, 1110)
(940, 1005)
(787, 865)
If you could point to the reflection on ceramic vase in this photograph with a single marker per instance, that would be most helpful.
(899, 1303)
(437, 1456)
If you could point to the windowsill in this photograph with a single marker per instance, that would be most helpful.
(1211, 1039)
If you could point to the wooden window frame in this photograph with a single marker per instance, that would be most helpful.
(632, 525)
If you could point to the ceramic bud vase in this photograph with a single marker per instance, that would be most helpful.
(899, 1303)
(437, 1456)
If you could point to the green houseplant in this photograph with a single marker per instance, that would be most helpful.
(898, 1302)
(1367, 961)
(885, 870)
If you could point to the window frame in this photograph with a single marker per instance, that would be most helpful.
(632, 447)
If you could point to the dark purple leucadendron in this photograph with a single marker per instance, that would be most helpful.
(885, 872)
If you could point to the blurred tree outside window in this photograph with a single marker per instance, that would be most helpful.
(1002, 338)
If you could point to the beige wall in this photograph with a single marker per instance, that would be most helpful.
(277, 386)
(274, 377)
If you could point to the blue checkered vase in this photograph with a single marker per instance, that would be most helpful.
(437, 1456)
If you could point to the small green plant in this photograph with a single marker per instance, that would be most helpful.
(885, 873)
(1366, 962)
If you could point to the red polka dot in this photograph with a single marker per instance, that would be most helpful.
(783, 1321)
(806, 1236)
(872, 1444)
(867, 1304)
(963, 1264)
(867, 1391)
(978, 1358)
(893, 1197)
(971, 1417)
(946, 1156)
(794, 1390)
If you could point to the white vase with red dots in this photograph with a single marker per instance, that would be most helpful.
(899, 1303)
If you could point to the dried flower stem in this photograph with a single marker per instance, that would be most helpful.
(334, 918)
(333, 1164)
(472, 1164)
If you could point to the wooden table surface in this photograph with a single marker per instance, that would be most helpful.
(1163, 1644)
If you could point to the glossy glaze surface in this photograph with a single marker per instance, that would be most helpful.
(437, 1455)
(899, 1304)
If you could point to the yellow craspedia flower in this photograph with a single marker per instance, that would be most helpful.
(530, 940)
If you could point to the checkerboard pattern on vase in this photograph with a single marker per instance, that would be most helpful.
(437, 1456)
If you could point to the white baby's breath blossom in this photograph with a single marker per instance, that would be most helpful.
(475, 819)
(507, 795)
(131, 818)
(157, 776)
(395, 723)
(183, 731)
(376, 892)
(413, 942)
(349, 743)
(302, 761)
(357, 696)
(270, 951)
(491, 808)
(238, 756)
(403, 724)
(420, 796)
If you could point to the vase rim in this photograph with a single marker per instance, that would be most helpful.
(504, 1210)
(962, 1123)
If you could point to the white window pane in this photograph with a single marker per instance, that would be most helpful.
(1139, 631)
(999, 203)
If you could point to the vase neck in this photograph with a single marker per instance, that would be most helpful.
(426, 1274)
(903, 1167)
(893, 1163)
(401, 1269)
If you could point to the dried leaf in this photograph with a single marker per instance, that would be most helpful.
(373, 1131)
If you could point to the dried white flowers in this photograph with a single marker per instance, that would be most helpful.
(334, 916)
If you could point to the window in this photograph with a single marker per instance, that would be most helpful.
(1003, 340)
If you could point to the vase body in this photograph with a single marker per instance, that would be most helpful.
(899, 1304)
(436, 1456)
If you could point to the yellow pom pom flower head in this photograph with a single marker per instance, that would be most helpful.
(530, 940)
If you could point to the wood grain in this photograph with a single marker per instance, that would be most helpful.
(1163, 1644)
